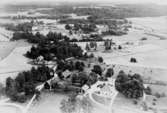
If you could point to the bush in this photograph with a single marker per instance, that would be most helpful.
(148, 91)
(133, 60)
(80, 78)
(21, 98)
(97, 69)
(110, 72)
(60, 75)
(2, 89)
(159, 95)
(144, 38)
(92, 78)
(100, 59)
(91, 55)
(46, 85)
(135, 102)
(119, 47)
(79, 66)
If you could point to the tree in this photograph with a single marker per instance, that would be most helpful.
(92, 78)
(20, 81)
(97, 69)
(148, 90)
(100, 59)
(83, 78)
(133, 60)
(29, 88)
(67, 27)
(79, 66)
(158, 95)
(20, 98)
(119, 47)
(130, 86)
(33, 53)
(46, 85)
(2, 89)
(60, 75)
(107, 44)
(70, 32)
(76, 27)
(48, 57)
(10, 86)
(87, 47)
(110, 72)
(91, 55)
(95, 46)
(92, 45)
(55, 45)
(25, 82)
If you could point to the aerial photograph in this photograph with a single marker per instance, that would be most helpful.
(83, 56)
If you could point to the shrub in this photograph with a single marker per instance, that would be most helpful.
(133, 60)
(148, 91)
(79, 66)
(144, 38)
(158, 95)
(100, 59)
(91, 55)
(97, 69)
(110, 72)
(92, 78)
(135, 102)
(119, 47)
(46, 85)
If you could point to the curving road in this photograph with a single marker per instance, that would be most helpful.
(113, 95)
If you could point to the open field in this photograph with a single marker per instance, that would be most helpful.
(151, 60)
(9, 109)
(49, 103)
(6, 48)
(148, 23)
(151, 54)
(160, 103)
(159, 89)
(14, 63)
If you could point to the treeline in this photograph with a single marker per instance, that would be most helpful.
(118, 11)
(22, 27)
(38, 38)
(85, 28)
(113, 26)
(55, 45)
(124, 11)
(92, 19)
(24, 85)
